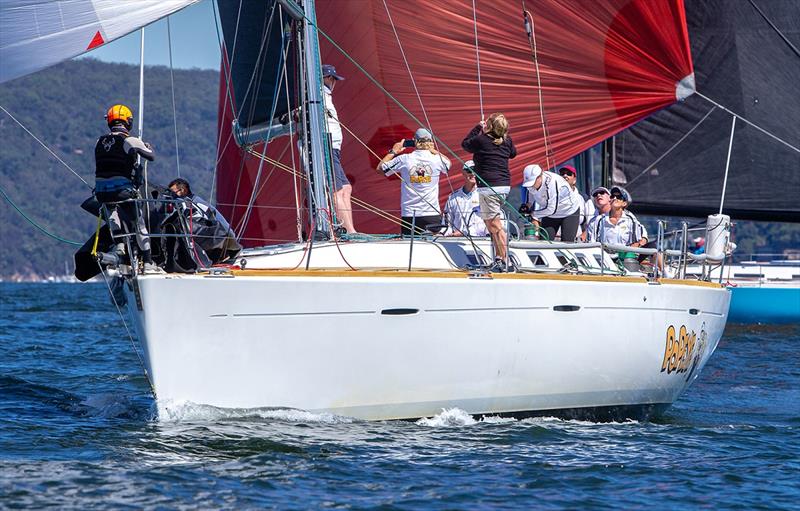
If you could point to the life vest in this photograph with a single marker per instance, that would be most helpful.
(110, 157)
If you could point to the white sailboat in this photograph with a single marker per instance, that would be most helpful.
(401, 328)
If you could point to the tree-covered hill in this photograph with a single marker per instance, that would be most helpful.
(64, 107)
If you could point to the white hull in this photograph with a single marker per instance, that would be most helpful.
(389, 345)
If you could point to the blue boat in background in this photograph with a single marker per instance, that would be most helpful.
(764, 292)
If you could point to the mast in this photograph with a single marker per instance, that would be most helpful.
(317, 146)
(142, 161)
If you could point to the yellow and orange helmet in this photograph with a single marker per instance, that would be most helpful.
(119, 113)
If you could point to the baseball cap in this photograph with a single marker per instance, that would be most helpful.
(329, 70)
(469, 166)
(529, 175)
(568, 168)
(622, 192)
(422, 134)
(600, 189)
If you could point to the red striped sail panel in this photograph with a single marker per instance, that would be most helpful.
(604, 65)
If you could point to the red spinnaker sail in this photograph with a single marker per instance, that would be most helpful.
(604, 65)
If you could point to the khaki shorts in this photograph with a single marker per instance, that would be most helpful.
(492, 205)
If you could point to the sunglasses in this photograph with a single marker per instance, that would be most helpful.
(617, 197)
(566, 173)
(598, 194)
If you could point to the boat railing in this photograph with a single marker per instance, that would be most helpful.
(676, 258)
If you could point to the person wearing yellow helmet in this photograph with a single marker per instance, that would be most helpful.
(117, 175)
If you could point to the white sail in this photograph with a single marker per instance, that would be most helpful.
(35, 34)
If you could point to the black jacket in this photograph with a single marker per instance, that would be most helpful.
(491, 161)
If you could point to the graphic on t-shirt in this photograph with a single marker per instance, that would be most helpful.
(421, 173)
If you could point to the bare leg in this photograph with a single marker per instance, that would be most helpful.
(344, 209)
(498, 234)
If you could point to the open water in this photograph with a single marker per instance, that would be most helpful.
(77, 432)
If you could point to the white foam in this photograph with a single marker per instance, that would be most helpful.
(495, 419)
(187, 411)
(448, 418)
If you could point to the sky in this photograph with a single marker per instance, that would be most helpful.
(194, 41)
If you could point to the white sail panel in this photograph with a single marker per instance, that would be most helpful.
(35, 34)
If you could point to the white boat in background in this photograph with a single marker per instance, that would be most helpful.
(766, 292)
(379, 328)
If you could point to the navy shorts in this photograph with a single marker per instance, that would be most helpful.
(339, 178)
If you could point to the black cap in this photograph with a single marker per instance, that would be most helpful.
(329, 70)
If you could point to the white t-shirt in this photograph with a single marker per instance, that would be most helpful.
(419, 170)
(554, 199)
(463, 213)
(627, 230)
(333, 120)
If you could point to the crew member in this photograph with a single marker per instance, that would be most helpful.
(209, 228)
(551, 202)
(462, 210)
(598, 204)
(117, 177)
(619, 227)
(419, 171)
(342, 186)
(492, 147)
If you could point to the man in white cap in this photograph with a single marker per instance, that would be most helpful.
(463, 210)
(551, 202)
(344, 209)
(419, 171)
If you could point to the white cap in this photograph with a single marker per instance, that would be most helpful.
(529, 175)
(469, 165)
(423, 134)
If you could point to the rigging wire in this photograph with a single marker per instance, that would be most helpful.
(45, 146)
(530, 29)
(298, 213)
(408, 68)
(477, 56)
(172, 89)
(33, 222)
(697, 125)
(253, 194)
(771, 24)
(130, 336)
(258, 69)
(399, 104)
(756, 126)
(414, 83)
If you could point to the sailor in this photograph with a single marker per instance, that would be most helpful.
(570, 175)
(598, 204)
(492, 147)
(462, 210)
(342, 202)
(551, 202)
(117, 178)
(209, 228)
(419, 172)
(619, 227)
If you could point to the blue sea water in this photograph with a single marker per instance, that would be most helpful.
(77, 431)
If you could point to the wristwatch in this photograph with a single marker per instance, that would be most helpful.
(391, 151)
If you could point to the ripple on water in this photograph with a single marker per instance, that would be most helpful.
(78, 429)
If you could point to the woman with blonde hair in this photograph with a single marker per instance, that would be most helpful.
(492, 147)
